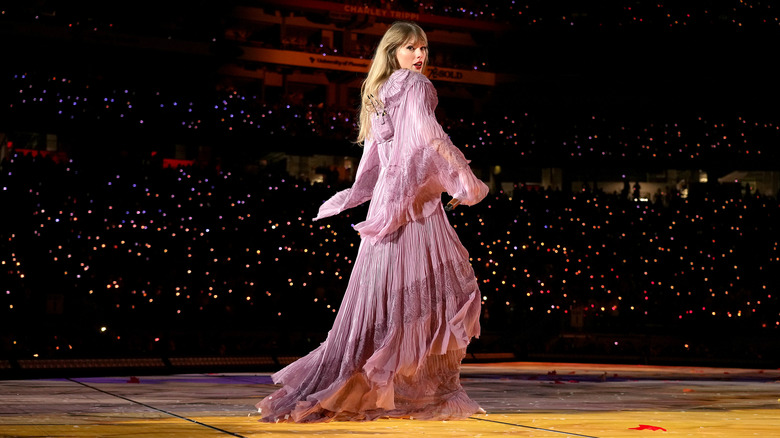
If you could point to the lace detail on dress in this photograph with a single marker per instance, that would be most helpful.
(455, 159)
(455, 279)
(363, 192)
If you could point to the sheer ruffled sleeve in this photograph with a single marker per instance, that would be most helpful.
(423, 131)
(423, 162)
(362, 189)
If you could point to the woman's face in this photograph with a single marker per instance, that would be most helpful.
(412, 56)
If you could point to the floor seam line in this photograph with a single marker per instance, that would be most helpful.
(532, 427)
(156, 409)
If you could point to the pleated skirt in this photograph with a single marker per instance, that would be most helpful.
(411, 307)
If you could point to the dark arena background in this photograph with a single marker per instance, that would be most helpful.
(161, 163)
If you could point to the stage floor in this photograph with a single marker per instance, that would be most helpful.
(521, 399)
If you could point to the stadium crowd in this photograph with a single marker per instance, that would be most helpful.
(214, 255)
(679, 138)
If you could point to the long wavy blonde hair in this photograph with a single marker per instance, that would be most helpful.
(383, 64)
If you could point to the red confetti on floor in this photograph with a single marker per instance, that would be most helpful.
(646, 427)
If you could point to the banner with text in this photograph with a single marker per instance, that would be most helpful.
(318, 60)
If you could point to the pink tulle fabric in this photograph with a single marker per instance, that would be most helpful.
(412, 304)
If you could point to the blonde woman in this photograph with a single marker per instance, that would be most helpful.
(412, 304)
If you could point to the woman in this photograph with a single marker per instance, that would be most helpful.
(412, 303)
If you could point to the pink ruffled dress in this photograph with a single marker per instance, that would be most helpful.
(412, 303)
